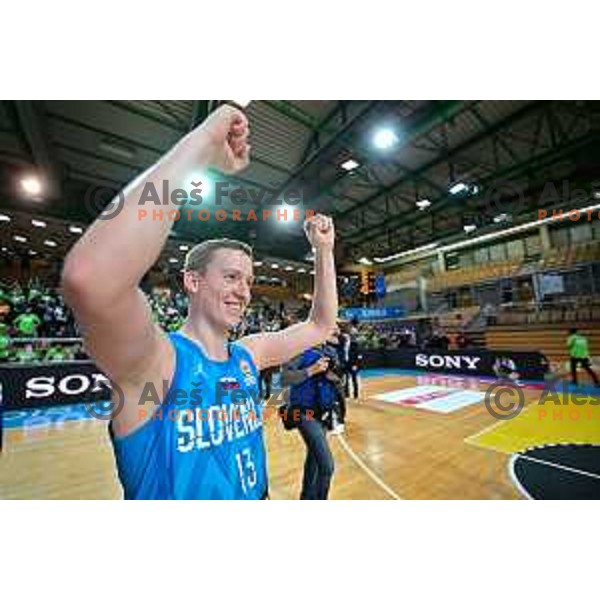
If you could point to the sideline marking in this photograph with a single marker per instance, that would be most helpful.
(366, 469)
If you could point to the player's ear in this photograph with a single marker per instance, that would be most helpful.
(191, 281)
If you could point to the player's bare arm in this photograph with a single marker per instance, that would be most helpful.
(102, 273)
(277, 348)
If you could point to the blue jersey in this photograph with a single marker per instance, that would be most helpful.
(205, 441)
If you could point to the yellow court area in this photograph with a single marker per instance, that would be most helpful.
(560, 421)
(407, 437)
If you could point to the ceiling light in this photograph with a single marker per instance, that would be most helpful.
(37, 223)
(50, 243)
(458, 188)
(75, 229)
(274, 266)
(4, 219)
(384, 139)
(500, 218)
(173, 260)
(350, 165)
(301, 270)
(32, 252)
(423, 204)
(470, 228)
(365, 261)
(20, 238)
(31, 185)
(258, 263)
(184, 248)
(312, 272)
(288, 268)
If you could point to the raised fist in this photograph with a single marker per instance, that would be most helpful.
(320, 231)
(223, 139)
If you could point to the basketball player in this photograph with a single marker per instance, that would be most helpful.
(191, 423)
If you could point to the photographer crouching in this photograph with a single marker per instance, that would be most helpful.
(315, 400)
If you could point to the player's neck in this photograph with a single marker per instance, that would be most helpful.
(213, 340)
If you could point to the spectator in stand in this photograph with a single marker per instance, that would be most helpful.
(4, 343)
(462, 341)
(27, 324)
(56, 353)
(26, 354)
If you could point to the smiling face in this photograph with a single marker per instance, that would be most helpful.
(222, 290)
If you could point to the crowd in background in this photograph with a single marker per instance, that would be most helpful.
(34, 318)
(30, 316)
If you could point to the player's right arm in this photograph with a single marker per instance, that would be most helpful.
(102, 272)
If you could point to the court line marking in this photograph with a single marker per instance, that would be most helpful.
(557, 466)
(366, 469)
(514, 478)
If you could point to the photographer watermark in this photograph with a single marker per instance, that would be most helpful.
(504, 200)
(165, 202)
(225, 403)
(504, 400)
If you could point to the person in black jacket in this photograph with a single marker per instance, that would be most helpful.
(350, 359)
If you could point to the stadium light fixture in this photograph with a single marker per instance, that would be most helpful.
(350, 165)
(458, 188)
(31, 185)
(385, 138)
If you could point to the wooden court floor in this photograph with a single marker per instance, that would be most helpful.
(389, 451)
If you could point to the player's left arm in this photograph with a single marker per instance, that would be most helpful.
(270, 349)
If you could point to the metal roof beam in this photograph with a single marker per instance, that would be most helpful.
(446, 156)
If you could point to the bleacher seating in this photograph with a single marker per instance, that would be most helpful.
(549, 339)
(565, 257)
(474, 274)
(583, 309)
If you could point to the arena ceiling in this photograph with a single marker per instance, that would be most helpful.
(504, 152)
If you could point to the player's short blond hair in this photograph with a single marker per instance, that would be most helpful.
(198, 258)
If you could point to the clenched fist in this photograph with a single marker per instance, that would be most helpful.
(320, 231)
(221, 140)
